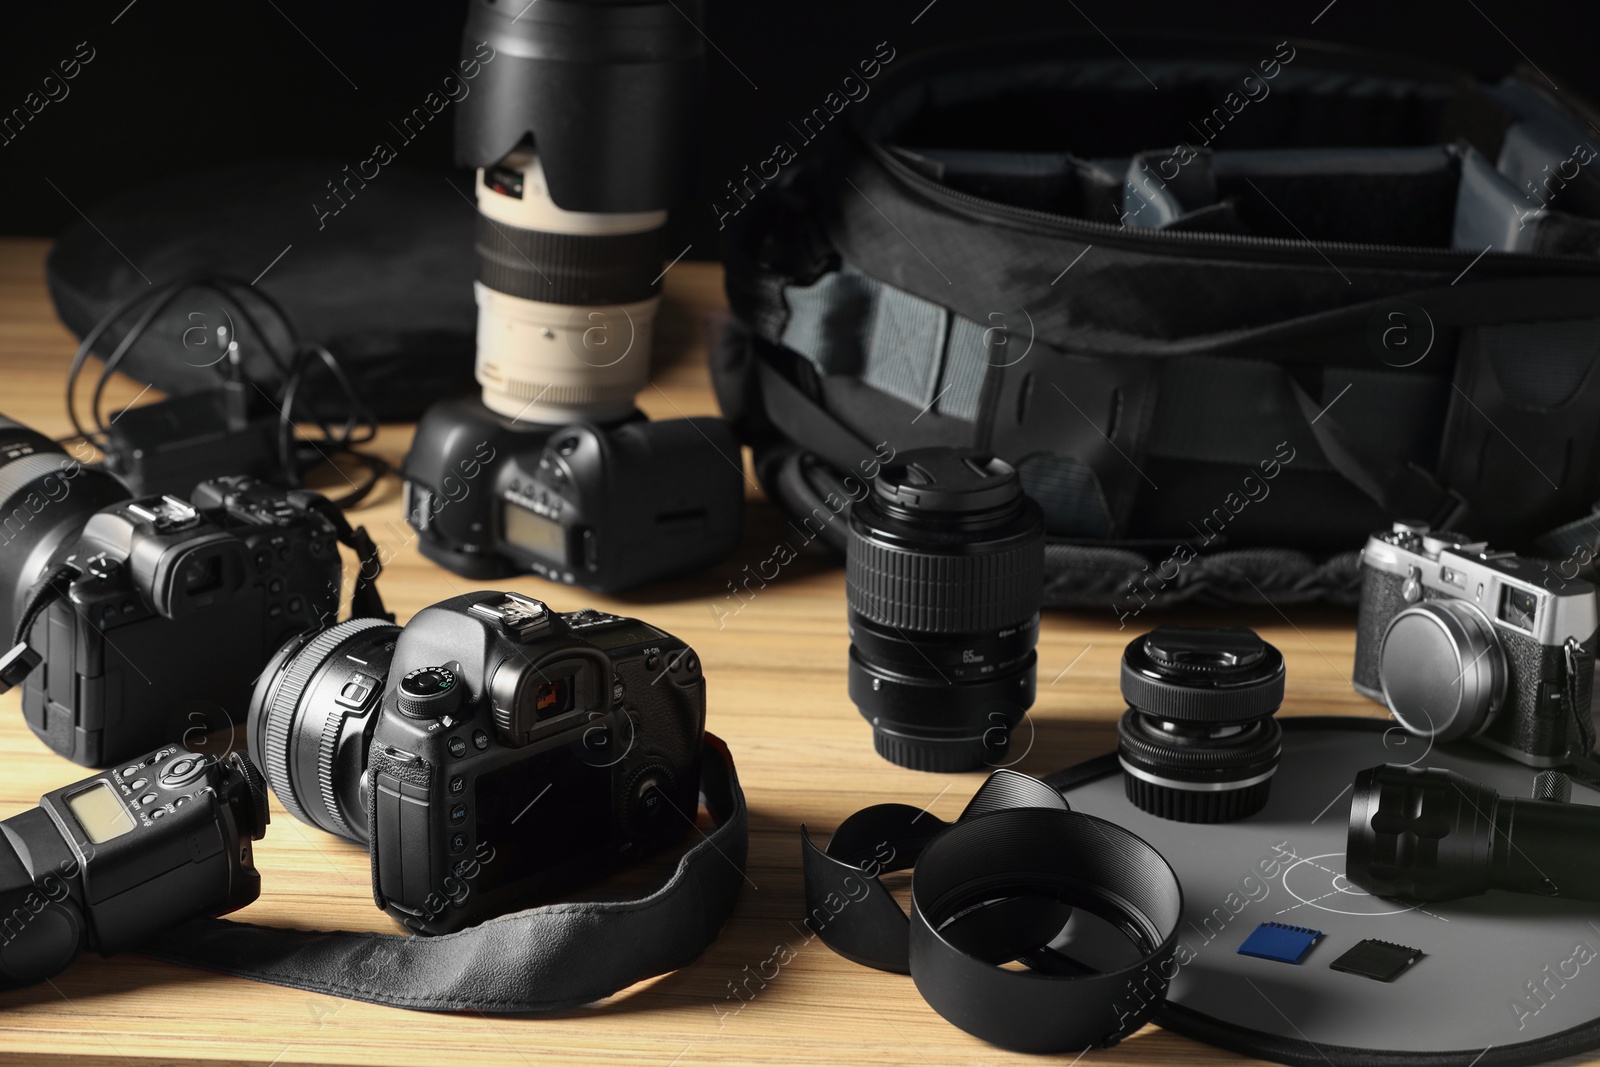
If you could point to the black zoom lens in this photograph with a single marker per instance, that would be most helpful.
(1198, 742)
(45, 498)
(311, 719)
(944, 577)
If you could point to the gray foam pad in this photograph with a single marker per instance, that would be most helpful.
(1516, 975)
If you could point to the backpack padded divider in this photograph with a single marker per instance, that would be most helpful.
(962, 269)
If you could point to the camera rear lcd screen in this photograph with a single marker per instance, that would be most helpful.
(100, 813)
(542, 813)
(534, 533)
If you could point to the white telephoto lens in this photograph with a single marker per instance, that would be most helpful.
(566, 300)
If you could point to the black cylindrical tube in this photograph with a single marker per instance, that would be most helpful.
(1546, 847)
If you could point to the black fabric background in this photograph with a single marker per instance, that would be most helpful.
(178, 85)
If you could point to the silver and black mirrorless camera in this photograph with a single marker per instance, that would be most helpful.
(1463, 642)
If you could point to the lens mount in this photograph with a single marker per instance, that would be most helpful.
(311, 714)
(1442, 670)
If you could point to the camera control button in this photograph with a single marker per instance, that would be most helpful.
(458, 842)
(148, 798)
(480, 740)
(159, 813)
(1411, 588)
(458, 813)
(457, 785)
(181, 771)
(429, 693)
(458, 747)
(138, 784)
(357, 690)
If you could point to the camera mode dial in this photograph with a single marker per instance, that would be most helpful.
(429, 693)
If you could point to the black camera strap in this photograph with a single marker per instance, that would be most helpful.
(20, 660)
(549, 958)
(364, 599)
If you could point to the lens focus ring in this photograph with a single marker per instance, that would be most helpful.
(282, 713)
(929, 593)
(563, 268)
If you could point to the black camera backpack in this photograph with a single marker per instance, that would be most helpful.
(1229, 307)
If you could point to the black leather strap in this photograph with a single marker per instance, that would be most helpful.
(543, 959)
(365, 602)
(20, 660)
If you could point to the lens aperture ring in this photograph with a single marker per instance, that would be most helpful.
(283, 713)
(933, 593)
(1244, 755)
(564, 268)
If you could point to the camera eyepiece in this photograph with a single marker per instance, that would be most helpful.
(944, 579)
(1198, 742)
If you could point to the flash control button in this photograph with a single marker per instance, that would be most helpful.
(180, 772)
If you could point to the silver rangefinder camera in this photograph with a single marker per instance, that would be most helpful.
(1462, 642)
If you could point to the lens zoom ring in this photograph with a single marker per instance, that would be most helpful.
(26, 470)
(281, 715)
(563, 268)
(941, 594)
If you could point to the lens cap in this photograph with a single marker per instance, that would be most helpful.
(1203, 674)
(950, 480)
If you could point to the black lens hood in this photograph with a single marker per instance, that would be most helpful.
(999, 885)
(609, 93)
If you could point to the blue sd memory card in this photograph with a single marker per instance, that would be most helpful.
(1281, 942)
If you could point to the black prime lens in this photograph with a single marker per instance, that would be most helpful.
(46, 497)
(944, 577)
(311, 720)
(1199, 742)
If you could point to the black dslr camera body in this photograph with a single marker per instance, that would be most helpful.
(491, 753)
(1462, 642)
(605, 507)
(161, 613)
(103, 864)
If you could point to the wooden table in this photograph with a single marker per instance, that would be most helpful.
(776, 684)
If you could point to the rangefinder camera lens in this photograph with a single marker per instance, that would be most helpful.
(1198, 742)
(944, 577)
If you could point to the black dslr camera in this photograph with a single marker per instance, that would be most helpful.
(151, 617)
(104, 863)
(1462, 642)
(491, 752)
(607, 508)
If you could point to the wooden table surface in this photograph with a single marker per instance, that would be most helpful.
(776, 688)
